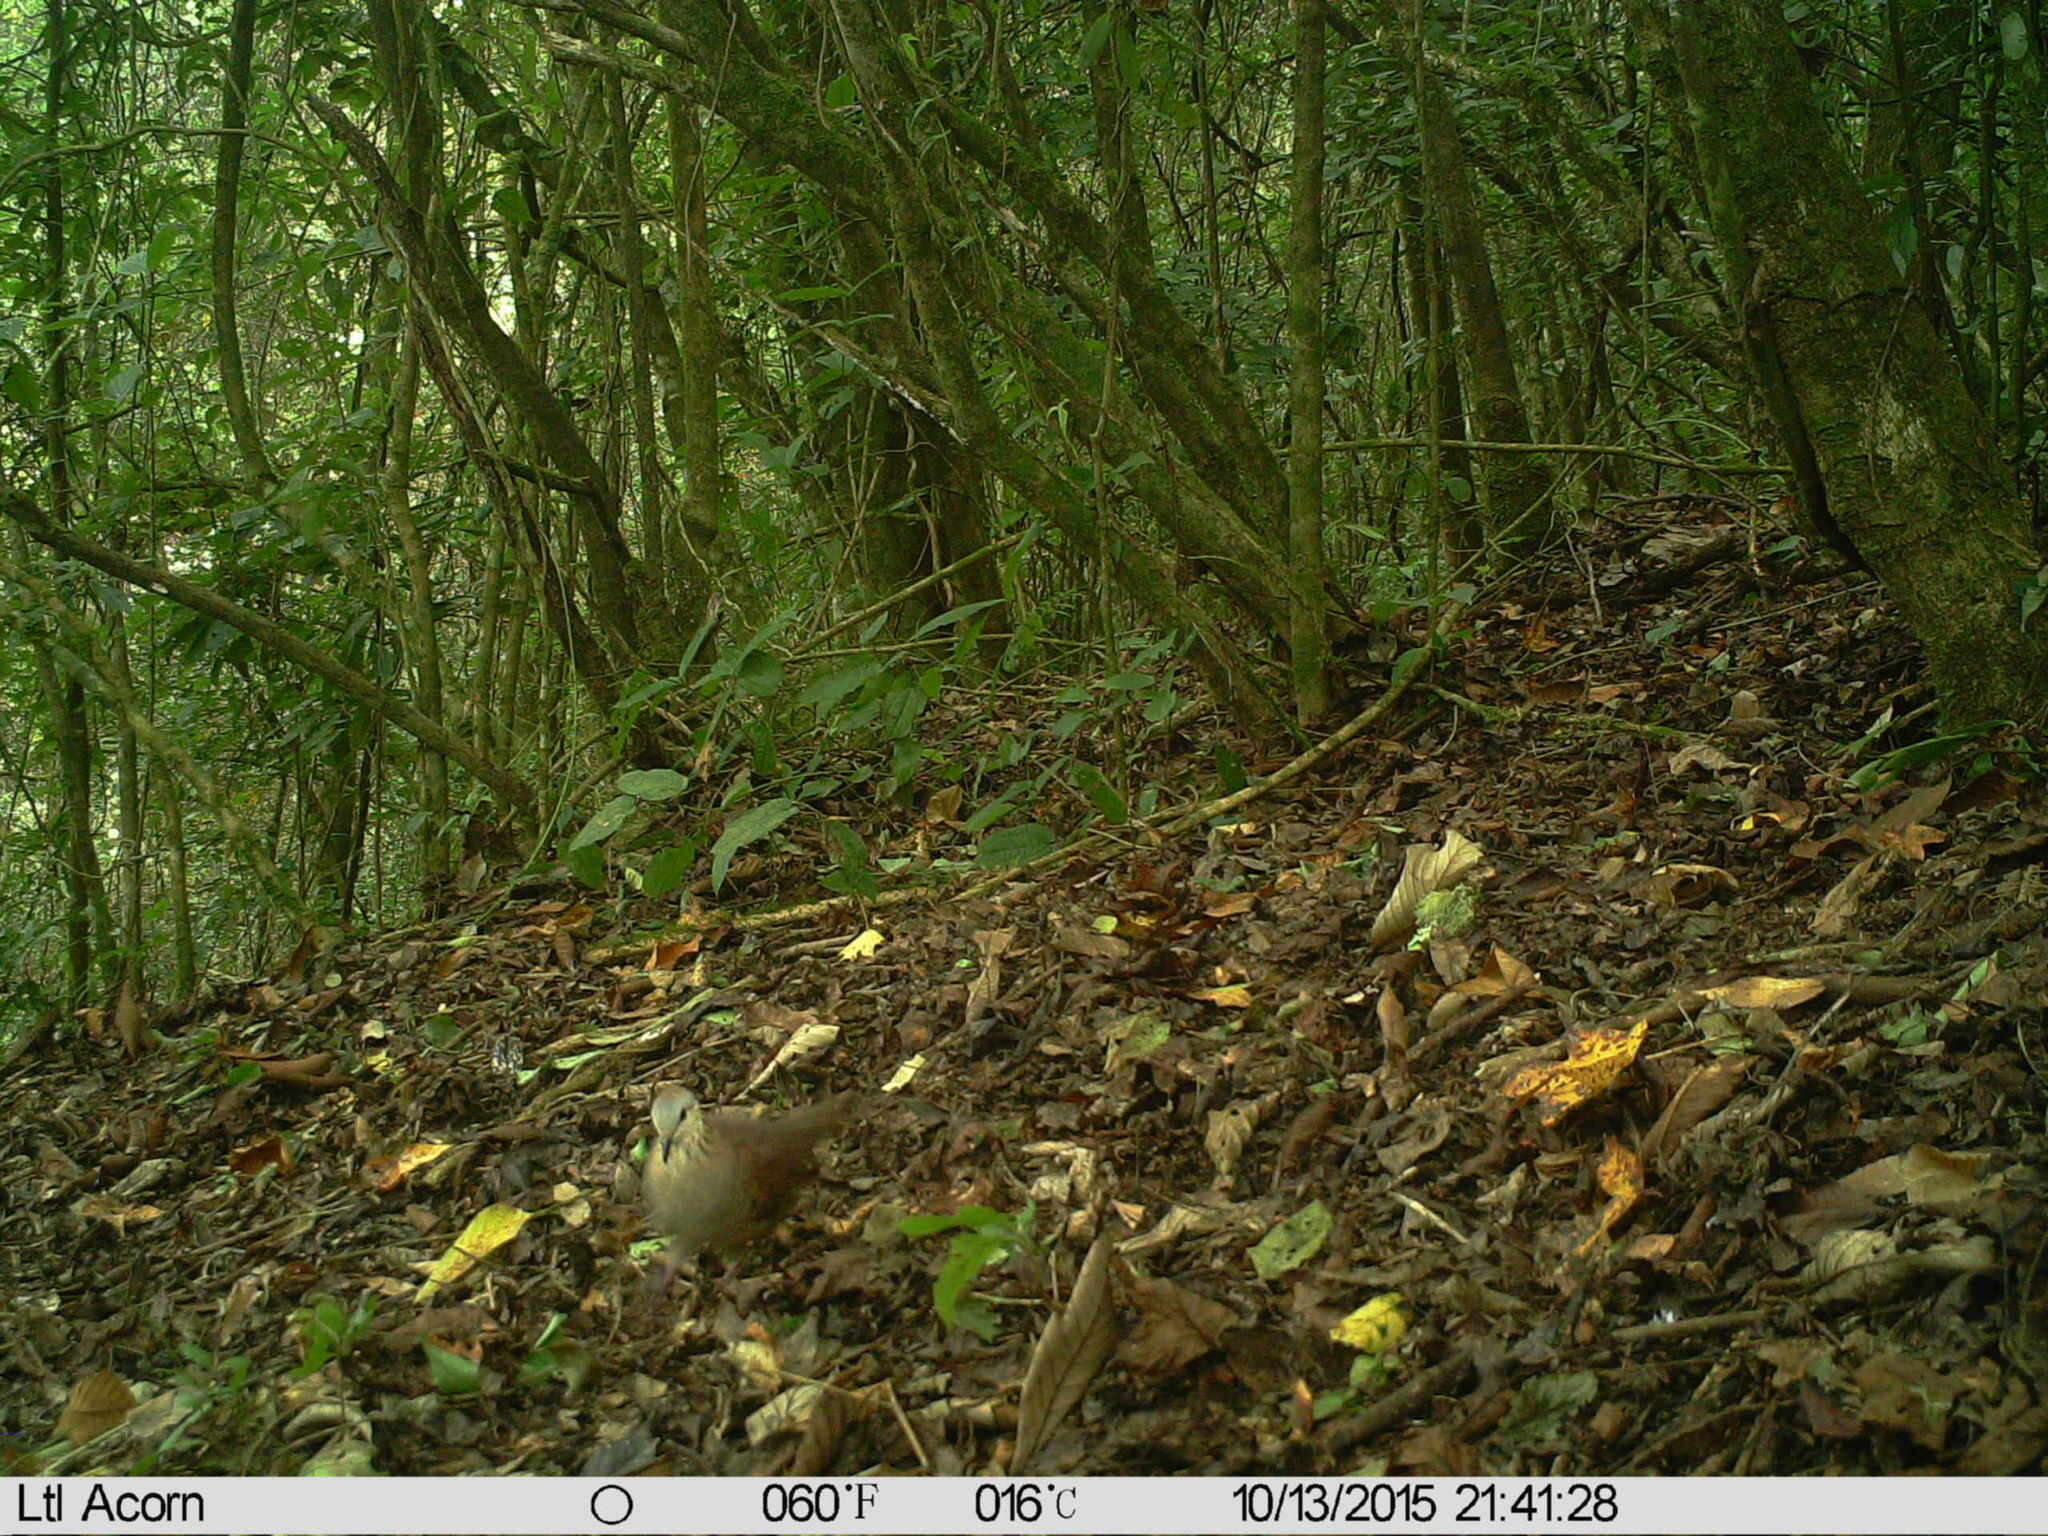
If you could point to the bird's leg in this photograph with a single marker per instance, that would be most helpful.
(661, 1275)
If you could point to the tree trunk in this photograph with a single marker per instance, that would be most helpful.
(1894, 459)
(1519, 506)
(1307, 638)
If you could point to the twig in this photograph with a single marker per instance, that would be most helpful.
(1679, 1327)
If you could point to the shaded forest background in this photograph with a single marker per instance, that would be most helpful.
(650, 436)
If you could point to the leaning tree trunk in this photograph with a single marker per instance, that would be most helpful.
(1895, 461)
(1519, 499)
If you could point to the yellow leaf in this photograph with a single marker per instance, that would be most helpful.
(1375, 1327)
(1597, 1060)
(862, 945)
(489, 1230)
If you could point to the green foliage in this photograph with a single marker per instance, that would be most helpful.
(826, 435)
(453, 1375)
(327, 1331)
(1292, 1243)
(1013, 846)
(1444, 914)
(1911, 1027)
(1542, 1404)
(2033, 593)
(1890, 767)
(1368, 1377)
(555, 1358)
(982, 1238)
(853, 871)
(209, 1387)
(746, 830)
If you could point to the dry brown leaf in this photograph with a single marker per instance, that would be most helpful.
(824, 1430)
(1069, 1353)
(1704, 1090)
(1945, 1181)
(97, 1403)
(1689, 885)
(1423, 870)
(1831, 917)
(1230, 1129)
(1909, 1395)
(112, 1211)
(269, 1152)
(1175, 1326)
(1766, 991)
(1501, 976)
(1089, 944)
(385, 1174)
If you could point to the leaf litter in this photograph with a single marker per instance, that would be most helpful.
(1585, 1070)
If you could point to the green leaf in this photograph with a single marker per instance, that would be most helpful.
(824, 692)
(453, 1375)
(969, 1255)
(760, 673)
(569, 1361)
(1136, 1038)
(856, 880)
(1333, 1401)
(668, 869)
(1541, 1405)
(993, 812)
(1101, 794)
(650, 689)
(1293, 1242)
(2033, 592)
(1097, 38)
(749, 828)
(609, 818)
(1015, 845)
(587, 865)
(653, 783)
(511, 207)
(847, 846)
(953, 616)
(2012, 35)
(20, 384)
(970, 1216)
(840, 93)
(977, 1317)
(441, 1030)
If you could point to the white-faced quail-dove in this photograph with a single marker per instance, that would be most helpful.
(717, 1180)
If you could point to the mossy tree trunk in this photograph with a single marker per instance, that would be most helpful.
(1895, 461)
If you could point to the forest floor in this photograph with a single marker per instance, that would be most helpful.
(1780, 1210)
